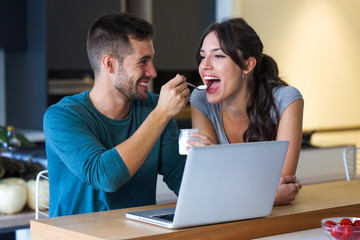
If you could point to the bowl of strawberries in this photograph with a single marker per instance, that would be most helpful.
(344, 228)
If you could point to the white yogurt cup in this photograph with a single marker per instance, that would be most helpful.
(183, 137)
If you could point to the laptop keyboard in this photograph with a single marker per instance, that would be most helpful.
(169, 217)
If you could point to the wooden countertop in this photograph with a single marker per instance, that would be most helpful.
(313, 203)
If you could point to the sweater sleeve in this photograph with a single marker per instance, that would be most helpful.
(172, 163)
(71, 138)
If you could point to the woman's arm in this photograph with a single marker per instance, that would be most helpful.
(290, 129)
(206, 133)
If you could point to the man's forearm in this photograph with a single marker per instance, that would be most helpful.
(135, 149)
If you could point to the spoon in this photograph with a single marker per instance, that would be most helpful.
(200, 87)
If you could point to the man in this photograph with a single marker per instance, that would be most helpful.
(106, 146)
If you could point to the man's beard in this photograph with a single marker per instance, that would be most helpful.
(124, 86)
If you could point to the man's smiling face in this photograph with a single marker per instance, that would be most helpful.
(136, 70)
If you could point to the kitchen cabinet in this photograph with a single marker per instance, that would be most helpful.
(25, 72)
(13, 24)
(178, 28)
(55, 41)
(67, 24)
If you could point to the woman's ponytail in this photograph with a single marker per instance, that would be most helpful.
(267, 71)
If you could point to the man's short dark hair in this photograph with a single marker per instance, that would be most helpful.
(110, 33)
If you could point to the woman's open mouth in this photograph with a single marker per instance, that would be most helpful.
(212, 83)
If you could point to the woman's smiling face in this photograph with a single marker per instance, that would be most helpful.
(218, 71)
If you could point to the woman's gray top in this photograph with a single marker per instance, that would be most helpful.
(283, 96)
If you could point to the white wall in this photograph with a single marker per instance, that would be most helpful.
(316, 45)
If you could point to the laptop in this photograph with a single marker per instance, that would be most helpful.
(223, 183)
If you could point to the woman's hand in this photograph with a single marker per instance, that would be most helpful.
(288, 189)
(204, 140)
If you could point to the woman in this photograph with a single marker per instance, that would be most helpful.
(246, 101)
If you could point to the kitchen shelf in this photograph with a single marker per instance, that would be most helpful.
(12, 222)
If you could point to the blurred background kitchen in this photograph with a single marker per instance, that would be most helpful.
(43, 53)
(315, 43)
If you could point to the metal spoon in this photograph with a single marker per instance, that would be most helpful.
(200, 87)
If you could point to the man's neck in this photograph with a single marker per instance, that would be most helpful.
(110, 103)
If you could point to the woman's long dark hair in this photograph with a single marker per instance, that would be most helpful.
(236, 35)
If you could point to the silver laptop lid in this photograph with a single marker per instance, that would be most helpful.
(229, 182)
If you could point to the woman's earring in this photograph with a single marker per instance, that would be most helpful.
(243, 76)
